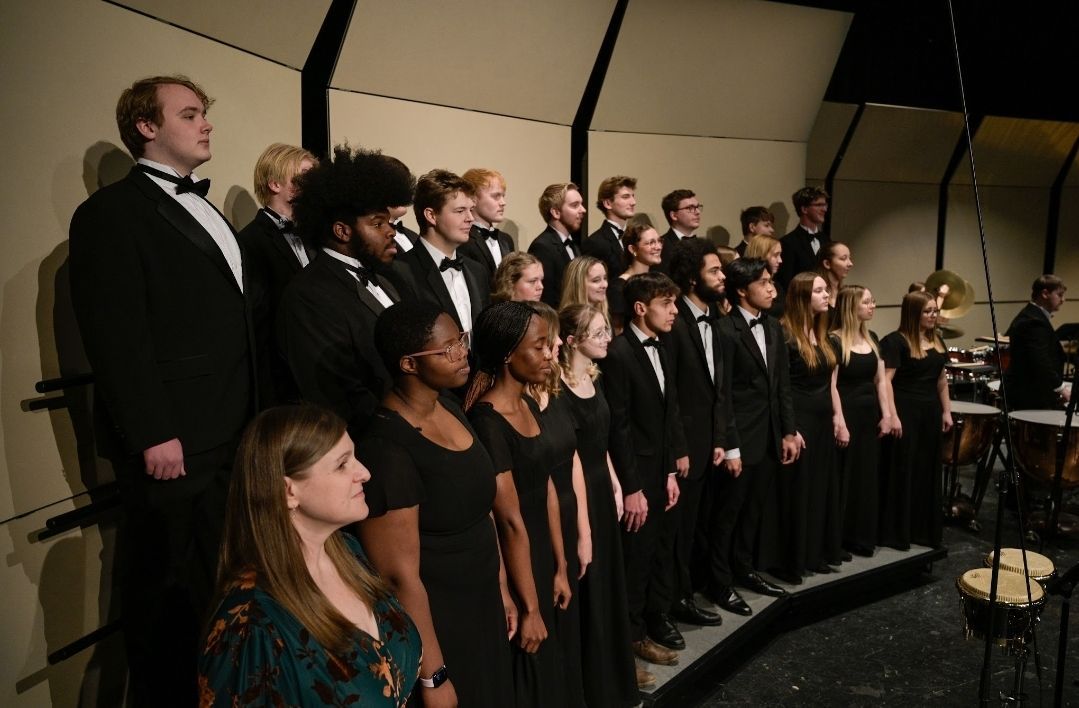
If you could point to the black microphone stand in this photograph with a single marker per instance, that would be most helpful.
(1056, 495)
(1063, 586)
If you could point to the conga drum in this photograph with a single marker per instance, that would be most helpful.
(1034, 434)
(1015, 613)
(1038, 566)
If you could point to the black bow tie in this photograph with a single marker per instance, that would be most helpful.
(491, 234)
(400, 228)
(707, 319)
(757, 321)
(448, 263)
(652, 342)
(183, 184)
(363, 274)
(287, 226)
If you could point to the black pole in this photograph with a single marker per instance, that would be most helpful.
(837, 161)
(1052, 226)
(317, 73)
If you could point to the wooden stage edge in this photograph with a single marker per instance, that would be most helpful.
(712, 654)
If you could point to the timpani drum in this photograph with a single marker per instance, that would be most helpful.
(1014, 614)
(975, 424)
(1035, 435)
(1038, 567)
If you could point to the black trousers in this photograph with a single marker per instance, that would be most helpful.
(649, 560)
(169, 543)
(737, 504)
(691, 493)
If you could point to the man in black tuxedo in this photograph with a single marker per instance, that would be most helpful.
(562, 207)
(1035, 375)
(648, 448)
(163, 299)
(486, 244)
(327, 316)
(801, 246)
(443, 204)
(693, 344)
(617, 199)
(272, 247)
(756, 221)
(682, 210)
(760, 431)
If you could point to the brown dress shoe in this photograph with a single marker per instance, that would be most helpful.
(645, 678)
(654, 653)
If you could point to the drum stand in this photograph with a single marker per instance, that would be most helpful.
(1057, 494)
(1063, 586)
(960, 507)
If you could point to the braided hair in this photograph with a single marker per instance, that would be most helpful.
(495, 335)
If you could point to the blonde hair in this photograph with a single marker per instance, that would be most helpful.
(849, 326)
(260, 538)
(573, 322)
(508, 273)
(910, 319)
(575, 283)
(760, 247)
(278, 163)
(799, 319)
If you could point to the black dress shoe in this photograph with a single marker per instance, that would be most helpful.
(824, 569)
(686, 610)
(863, 551)
(754, 582)
(846, 557)
(727, 598)
(788, 577)
(662, 631)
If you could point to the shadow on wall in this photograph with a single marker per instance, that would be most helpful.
(240, 207)
(720, 236)
(783, 222)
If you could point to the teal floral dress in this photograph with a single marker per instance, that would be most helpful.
(258, 654)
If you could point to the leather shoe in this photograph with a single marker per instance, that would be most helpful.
(645, 678)
(727, 598)
(688, 611)
(824, 569)
(863, 551)
(662, 631)
(788, 577)
(845, 557)
(754, 582)
(654, 654)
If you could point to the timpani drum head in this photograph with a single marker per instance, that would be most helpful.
(968, 408)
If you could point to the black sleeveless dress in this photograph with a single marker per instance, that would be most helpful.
(610, 679)
(455, 490)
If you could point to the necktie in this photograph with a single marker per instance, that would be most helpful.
(448, 263)
(364, 275)
(183, 184)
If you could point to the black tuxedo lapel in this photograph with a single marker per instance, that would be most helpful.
(479, 246)
(695, 334)
(433, 278)
(475, 293)
(645, 362)
(748, 340)
(180, 219)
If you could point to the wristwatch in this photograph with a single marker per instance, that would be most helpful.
(439, 677)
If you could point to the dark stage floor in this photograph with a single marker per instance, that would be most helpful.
(908, 648)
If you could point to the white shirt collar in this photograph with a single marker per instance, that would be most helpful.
(436, 255)
(347, 260)
(694, 310)
(641, 336)
(679, 234)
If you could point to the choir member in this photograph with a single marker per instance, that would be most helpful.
(487, 244)
(756, 221)
(616, 198)
(585, 284)
(642, 250)
(803, 243)
(562, 208)
(769, 250)
(519, 277)
(834, 264)
(682, 210)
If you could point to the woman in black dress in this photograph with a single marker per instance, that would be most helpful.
(430, 533)
(864, 411)
(511, 350)
(914, 358)
(807, 492)
(610, 676)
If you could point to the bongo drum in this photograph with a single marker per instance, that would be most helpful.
(1014, 613)
(1038, 566)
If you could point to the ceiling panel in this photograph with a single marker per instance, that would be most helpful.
(511, 57)
(722, 68)
(282, 30)
(1018, 152)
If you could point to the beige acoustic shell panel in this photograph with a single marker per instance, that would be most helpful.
(510, 57)
(833, 121)
(1067, 252)
(282, 30)
(894, 144)
(529, 154)
(726, 68)
(1018, 152)
(727, 176)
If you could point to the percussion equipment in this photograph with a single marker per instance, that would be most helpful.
(959, 290)
(975, 425)
(1036, 435)
(1014, 613)
(950, 331)
(1038, 566)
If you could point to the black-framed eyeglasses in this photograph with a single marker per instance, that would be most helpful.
(453, 352)
(691, 207)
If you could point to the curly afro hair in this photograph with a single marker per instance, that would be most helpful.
(354, 183)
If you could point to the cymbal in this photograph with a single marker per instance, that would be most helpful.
(964, 306)
(950, 331)
(957, 288)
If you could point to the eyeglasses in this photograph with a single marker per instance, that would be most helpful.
(930, 313)
(602, 333)
(691, 207)
(453, 352)
(819, 204)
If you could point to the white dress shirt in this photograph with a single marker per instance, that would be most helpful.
(455, 284)
(372, 287)
(705, 328)
(294, 241)
(653, 356)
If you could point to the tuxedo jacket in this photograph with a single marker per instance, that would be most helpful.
(425, 280)
(702, 401)
(646, 434)
(552, 254)
(476, 248)
(761, 411)
(604, 243)
(325, 329)
(167, 329)
(798, 255)
(408, 233)
(669, 241)
(1037, 361)
(740, 249)
(268, 252)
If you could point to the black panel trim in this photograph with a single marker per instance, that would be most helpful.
(317, 73)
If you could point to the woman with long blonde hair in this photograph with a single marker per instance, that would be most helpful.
(914, 358)
(861, 398)
(807, 493)
(298, 607)
(585, 283)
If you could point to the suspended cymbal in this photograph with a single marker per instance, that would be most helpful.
(964, 306)
(957, 287)
(950, 331)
